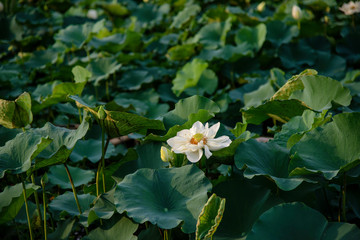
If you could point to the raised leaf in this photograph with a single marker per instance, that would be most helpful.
(17, 113)
(58, 176)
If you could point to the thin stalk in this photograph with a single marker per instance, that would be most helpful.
(166, 234)
(44, 204)
(103, 155)
(73, 188)
(340, 204)
(107, 89)
(36, 198)
(327, 202)
(27, 211)
(97, 178)
(343, 193)
(80, 118)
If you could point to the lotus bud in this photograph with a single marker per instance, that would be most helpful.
(92, 14)
(261, 6)
(101, 113)
(1, 6)
(166, 154)
(296, 12)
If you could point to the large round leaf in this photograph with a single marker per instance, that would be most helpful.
(58, 176)
(329, 149)
(297, 221)
(165, 197)
(267, 159)
(90, 149)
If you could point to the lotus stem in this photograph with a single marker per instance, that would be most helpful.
(343, 193)
(36, 198)
(73, 188)
(80, 118)
(103, 155)
(44, 204)
(27, 211)
(166, 234)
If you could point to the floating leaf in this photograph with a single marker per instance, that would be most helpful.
(255, 98)
(43, 58)
(330, 149)
(228, 52)
(132, 80)
(181, 52)
(165, 197)
(16, 114)
(11, 200)
(210, 217)
(279, 223)
(58, 176)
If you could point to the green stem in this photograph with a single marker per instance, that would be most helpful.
(97, 179)
(103, 155)
(73, 188)
(27, 210)
(80, 118)
(344, 199)
(36, 198)
(44, 204)
(166, 234)
(107, 89)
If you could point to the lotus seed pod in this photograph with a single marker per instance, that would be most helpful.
(296, 12)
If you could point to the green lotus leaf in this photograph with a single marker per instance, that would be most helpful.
(148, 15)
(90, 149)
(17, 154)
(121, 123)
(17, 113)
(11, 200)
(63, 230)
(185, 15)
(78, 35)
(55, 92)
(58, 176)
(63, 142)
(181, 52)
(296, 55)
(292, 131)
(165, 197)
(280, 110)
(228, 52)
(210, 217)
(43, 58)
(151, 233)
(329, 149)
(115, 228)
(320, 4)
(292, 85)
(213, 34)
(132, 80)
(330, 65)
(102, 68)
(66, 202)
(208, 83)
(114, 8)
(267, 159)
(246, 200)
(298, 221)
(255, 98)
(252, 36)
(279, 33)
(80, 74)
(188, 76)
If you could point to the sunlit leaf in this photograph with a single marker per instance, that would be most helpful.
(16, 114)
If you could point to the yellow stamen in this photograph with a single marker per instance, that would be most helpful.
(197, 138)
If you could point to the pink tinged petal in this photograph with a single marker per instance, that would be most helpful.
(194, 156)
(213, 130)
(218, 143)
(207, 152)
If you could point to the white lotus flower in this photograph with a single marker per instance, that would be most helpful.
(192, 141)
(92, 14)
(296, 12)
(350, 8)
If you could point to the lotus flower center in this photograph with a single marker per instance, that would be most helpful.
(197, 138)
